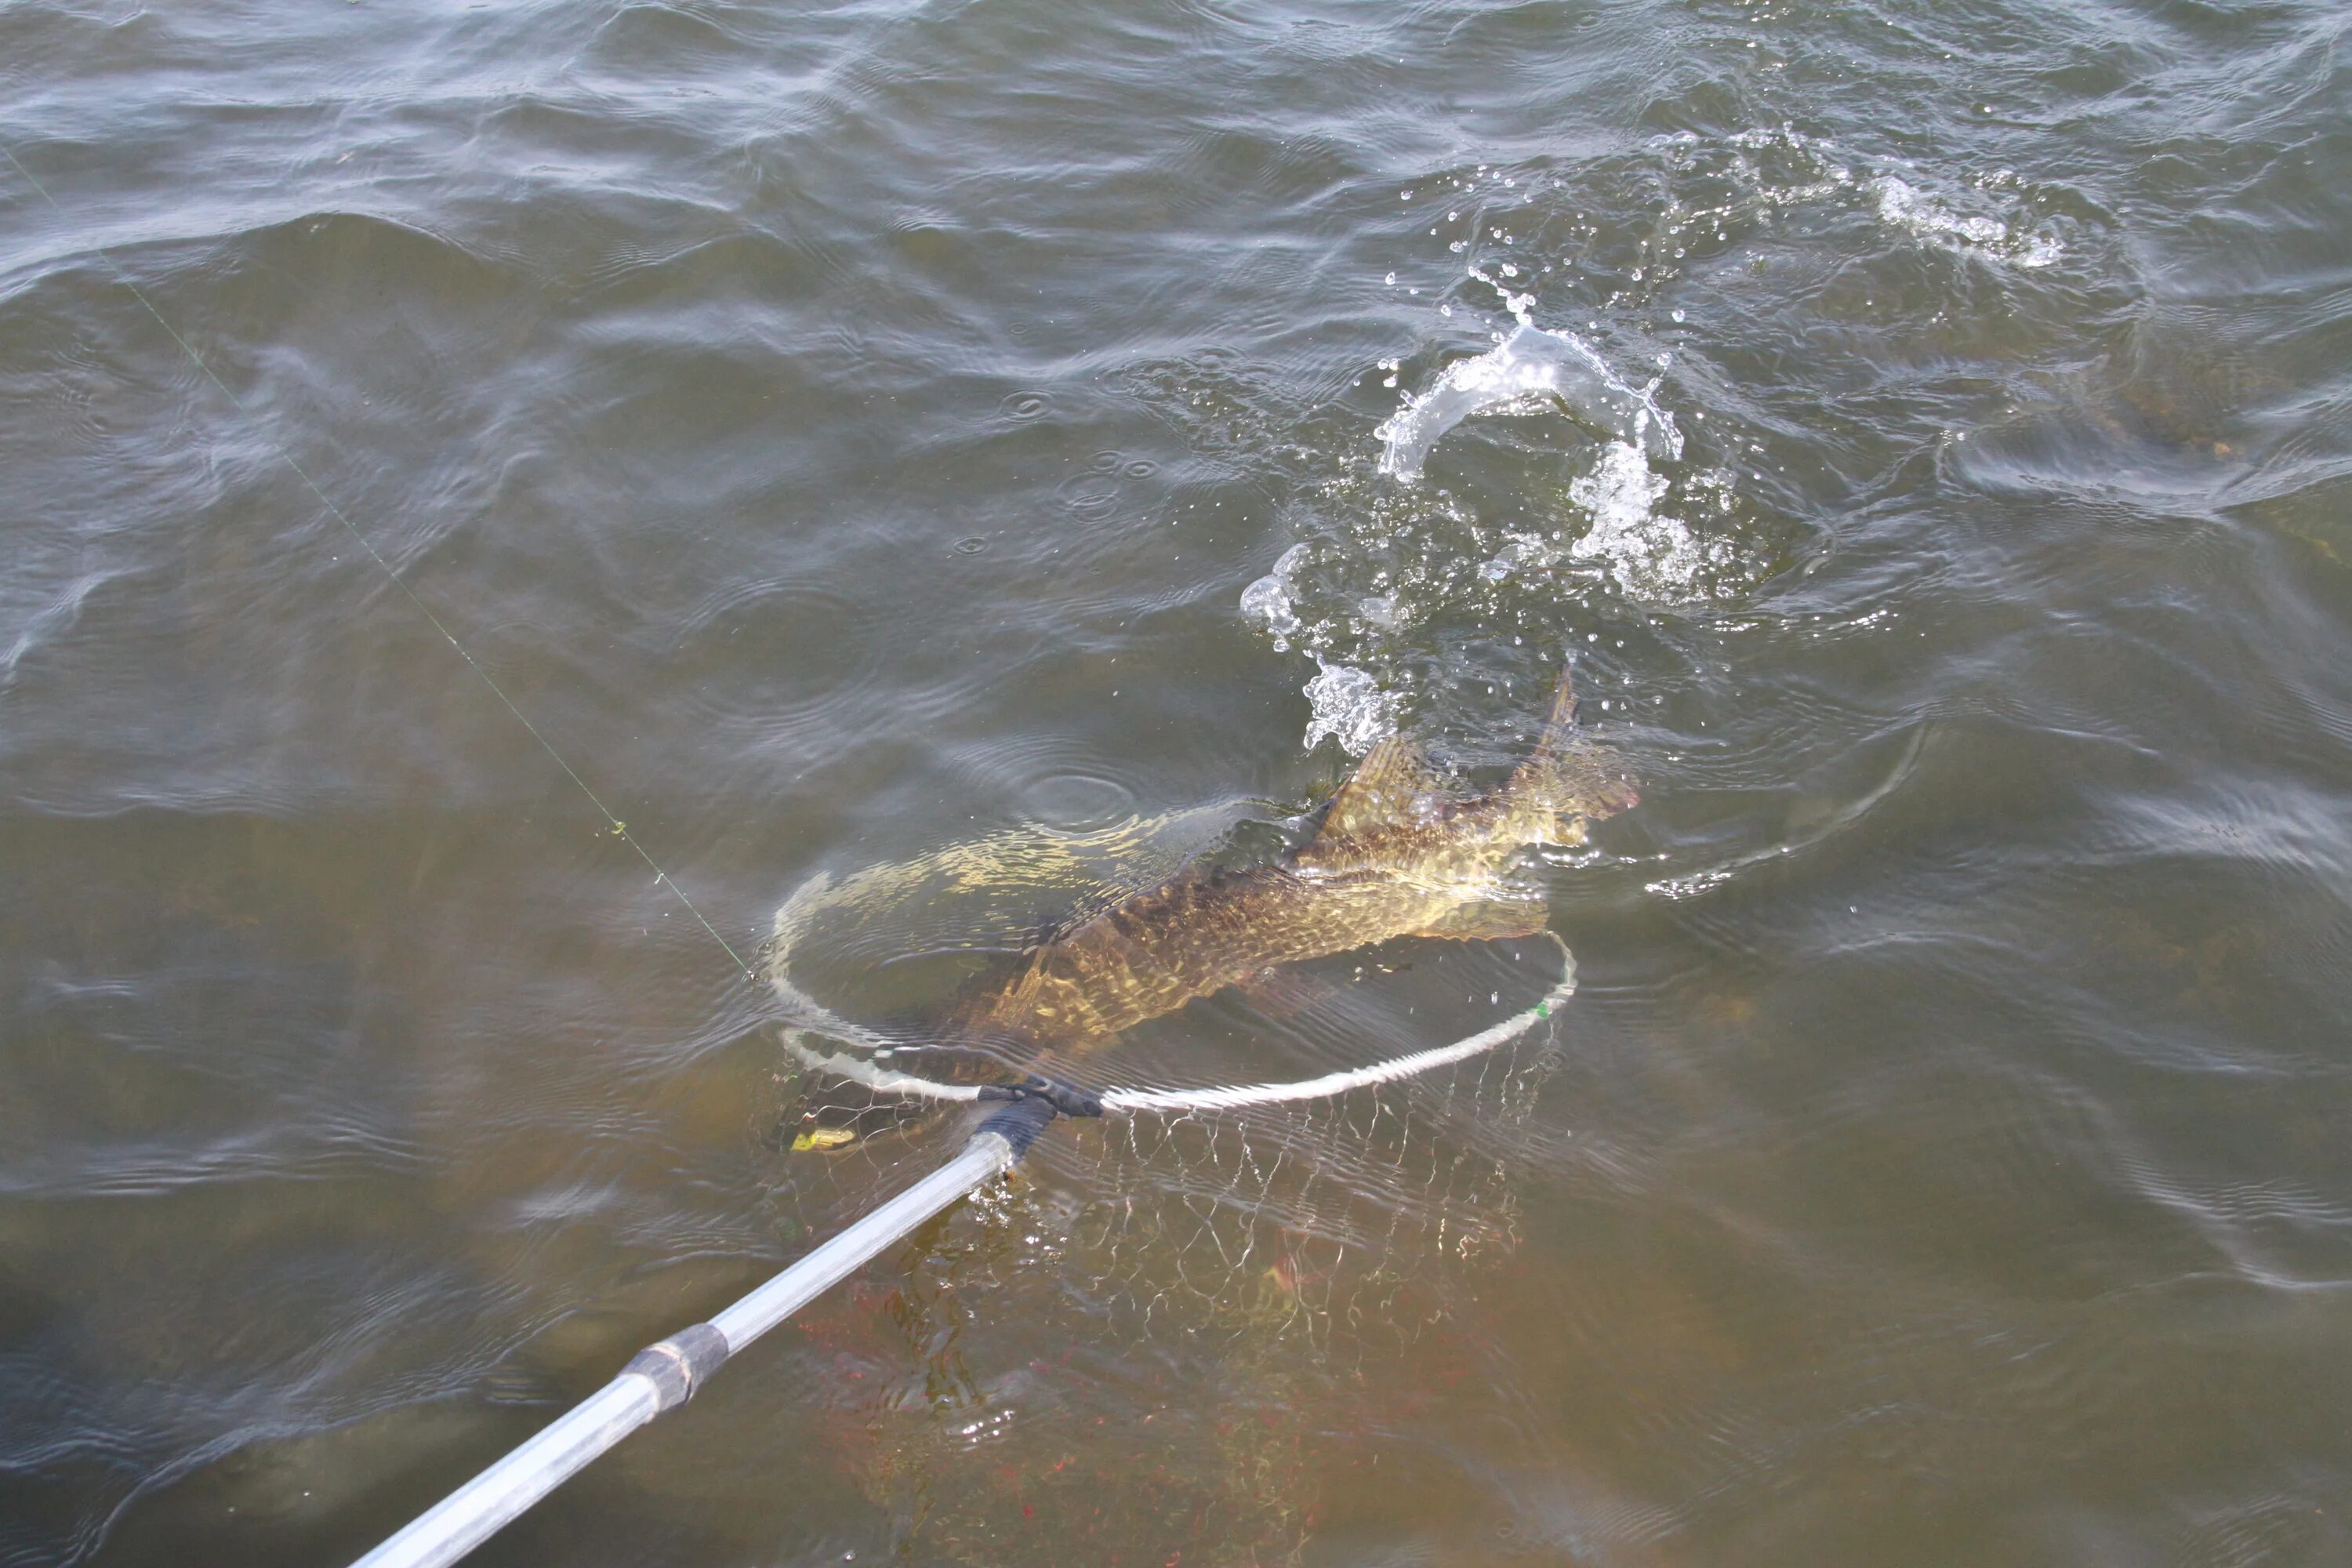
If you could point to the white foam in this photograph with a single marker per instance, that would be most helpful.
(1529, 369)
(1349, 707)
(1903, 206)
(1652, 556)
(1970, 217)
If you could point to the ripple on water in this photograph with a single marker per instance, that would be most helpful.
(1058, 780)
(768, 659)
(1078, 800)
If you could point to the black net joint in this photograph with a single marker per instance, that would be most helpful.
(1030, 1106)
(1066, 1100)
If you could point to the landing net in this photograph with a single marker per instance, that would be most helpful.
(1283, 1216)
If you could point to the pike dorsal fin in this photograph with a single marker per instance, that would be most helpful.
(1489, 919)
(1391, 777)
(1560, 725)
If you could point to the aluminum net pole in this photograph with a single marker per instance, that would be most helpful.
(664, 1375)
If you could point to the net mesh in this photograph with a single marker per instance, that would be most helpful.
(1154, 1339)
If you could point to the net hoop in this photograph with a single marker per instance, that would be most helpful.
(813, 1019)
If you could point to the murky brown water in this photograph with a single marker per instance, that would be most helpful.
(857, 435)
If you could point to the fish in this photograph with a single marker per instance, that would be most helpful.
(1399, 852)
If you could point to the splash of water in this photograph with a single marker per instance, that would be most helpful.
(1528, 370)
(1359, 595)
(1269, 599)
(1389, 569)
(1652, 556)
(1349, 707)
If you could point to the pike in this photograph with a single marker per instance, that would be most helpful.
(1398, 853)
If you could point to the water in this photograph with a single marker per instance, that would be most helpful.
(851, 432)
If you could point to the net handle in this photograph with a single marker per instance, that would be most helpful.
(665, 1374)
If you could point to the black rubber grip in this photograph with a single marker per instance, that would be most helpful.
(682, 1364)
(1020, 1122)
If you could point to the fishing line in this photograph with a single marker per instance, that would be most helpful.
(618, 829)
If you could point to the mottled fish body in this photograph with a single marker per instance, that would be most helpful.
(1397, 855)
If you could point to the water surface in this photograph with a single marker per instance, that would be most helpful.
(855, 435)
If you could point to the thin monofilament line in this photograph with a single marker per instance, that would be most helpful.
(619, 828)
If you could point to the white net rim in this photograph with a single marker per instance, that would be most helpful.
(883, 1080)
